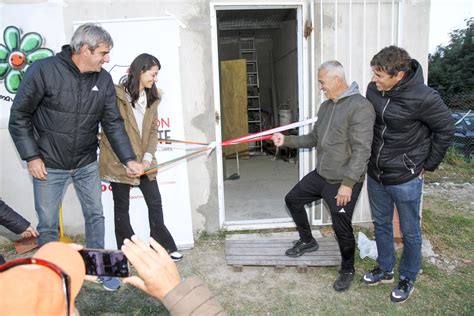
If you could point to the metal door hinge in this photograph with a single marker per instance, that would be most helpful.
(308, 28)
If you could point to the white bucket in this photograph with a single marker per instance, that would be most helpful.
(284, 117)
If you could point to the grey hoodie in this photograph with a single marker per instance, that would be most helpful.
(342, 136)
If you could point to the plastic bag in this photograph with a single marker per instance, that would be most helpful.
(367, 247)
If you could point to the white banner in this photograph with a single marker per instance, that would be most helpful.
(159, 37)
(46, 20)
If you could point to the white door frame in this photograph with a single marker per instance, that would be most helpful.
(303, 96)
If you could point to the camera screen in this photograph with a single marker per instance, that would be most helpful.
(102, 262)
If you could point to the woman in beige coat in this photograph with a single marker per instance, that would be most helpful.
(137, 101)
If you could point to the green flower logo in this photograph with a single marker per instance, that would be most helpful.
(17, 54)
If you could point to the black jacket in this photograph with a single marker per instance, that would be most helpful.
(413, 129)
(12, 220)
(56, 114)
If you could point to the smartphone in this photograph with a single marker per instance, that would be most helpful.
(103, 262)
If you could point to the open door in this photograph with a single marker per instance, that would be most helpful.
(269, 38)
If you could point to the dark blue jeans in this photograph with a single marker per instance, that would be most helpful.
(49, 193)
(151, 193)
(314, 187)
(406, 197)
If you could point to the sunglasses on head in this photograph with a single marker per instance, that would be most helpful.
(65, 279)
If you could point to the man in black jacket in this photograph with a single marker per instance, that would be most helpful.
(413, 130)
(54, 121)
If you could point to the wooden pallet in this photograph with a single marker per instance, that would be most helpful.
(270, 251)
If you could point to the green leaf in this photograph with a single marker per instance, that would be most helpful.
(13, 80)
(4, 67)
(4, 53)
(39, 54)
(30, 42)
(11, 35)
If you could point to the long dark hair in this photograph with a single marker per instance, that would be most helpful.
(141, 63)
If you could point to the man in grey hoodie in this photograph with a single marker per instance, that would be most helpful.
(343, 138)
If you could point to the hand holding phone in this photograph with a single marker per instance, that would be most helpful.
(102, 262)
(157, 273)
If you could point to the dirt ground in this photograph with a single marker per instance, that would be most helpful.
(253, 284)
(452, 192)
(265, 291)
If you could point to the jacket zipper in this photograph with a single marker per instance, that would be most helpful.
(383, 142)
(326, 133)
(76, 121)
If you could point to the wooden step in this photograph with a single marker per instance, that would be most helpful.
(270, 251)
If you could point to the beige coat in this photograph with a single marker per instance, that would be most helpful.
(111, 169)
(192, 297)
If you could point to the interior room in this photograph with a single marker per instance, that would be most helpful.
(259, 90)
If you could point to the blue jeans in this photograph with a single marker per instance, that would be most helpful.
(406, 197)
(48, 197)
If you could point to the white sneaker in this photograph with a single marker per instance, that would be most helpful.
(176, 256)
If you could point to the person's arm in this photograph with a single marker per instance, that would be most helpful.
(37, 168)
(309, 140)
(278, 139)
(303, 141)
(192, 297)
(30, 232)
(12, 220)
(20, 125)
(158, 274)
(151, 143)
(361, 129)
(436, 115)
(159, 277)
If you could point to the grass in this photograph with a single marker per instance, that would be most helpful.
(448, 224)
(454, 168)
(451, 234)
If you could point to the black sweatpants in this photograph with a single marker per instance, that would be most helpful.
(314, 187)
(151, 193)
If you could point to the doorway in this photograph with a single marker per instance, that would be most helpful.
(259, 70)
